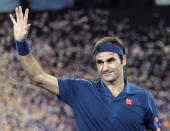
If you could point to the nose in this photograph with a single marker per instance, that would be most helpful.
(105, 67)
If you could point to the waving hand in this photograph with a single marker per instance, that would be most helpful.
(20, 25)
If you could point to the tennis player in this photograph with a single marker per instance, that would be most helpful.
(111, 104)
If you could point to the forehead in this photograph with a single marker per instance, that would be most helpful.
(106, 55)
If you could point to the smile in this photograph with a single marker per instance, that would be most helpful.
(107, 74)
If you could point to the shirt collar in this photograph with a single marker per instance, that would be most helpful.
(127, 89)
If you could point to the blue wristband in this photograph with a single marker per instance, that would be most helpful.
(23, 48)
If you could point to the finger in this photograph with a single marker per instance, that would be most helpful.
(12, 19)
(28, 26)
(26, 15)
(17, 14)
(20, 13)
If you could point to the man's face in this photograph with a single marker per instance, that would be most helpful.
(110, 66)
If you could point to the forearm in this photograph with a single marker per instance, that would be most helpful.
(37, 76)
(30, 66)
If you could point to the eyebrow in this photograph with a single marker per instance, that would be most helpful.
(108, 60)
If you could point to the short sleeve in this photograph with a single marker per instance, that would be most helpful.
(69, 89)
(151, 119)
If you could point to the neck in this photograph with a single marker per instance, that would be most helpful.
(116, 86)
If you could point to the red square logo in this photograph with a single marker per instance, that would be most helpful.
(128, 101)
(156, 119)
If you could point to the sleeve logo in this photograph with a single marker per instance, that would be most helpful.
(156, 119)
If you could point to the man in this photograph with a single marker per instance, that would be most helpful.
(111, 104)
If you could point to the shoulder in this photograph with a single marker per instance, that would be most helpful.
(131, 89)
(142, 95)
(140, 91)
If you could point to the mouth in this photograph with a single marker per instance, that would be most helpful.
(107, 73)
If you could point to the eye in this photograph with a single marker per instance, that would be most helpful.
(111, 60)
(99, 62)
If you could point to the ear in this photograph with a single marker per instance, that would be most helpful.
(124, 60)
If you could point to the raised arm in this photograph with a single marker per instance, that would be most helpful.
(32, 68)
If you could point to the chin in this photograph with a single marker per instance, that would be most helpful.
(109, 79)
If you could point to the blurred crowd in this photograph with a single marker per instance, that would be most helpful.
(62, 43)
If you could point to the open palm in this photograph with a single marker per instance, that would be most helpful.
(20, 25)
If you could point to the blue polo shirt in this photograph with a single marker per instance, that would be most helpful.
(96, 109)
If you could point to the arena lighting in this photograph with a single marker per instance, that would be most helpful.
(162, 2)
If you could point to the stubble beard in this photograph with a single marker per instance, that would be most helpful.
(112, 78)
